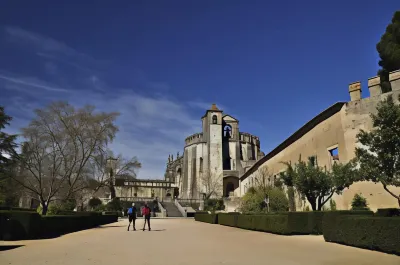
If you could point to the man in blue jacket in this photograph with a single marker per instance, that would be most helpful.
(132, 216)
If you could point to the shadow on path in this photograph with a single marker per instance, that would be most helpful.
(3, 248)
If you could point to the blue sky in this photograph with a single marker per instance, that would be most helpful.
(273, 65)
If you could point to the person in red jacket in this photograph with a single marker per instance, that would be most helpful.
(146, 212)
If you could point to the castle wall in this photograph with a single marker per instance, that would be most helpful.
(339, 131)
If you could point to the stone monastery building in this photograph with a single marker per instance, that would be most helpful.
(234, 159)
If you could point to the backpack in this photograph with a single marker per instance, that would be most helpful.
(146, 211)
(130, 211)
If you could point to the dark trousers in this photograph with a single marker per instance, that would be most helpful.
(147, 220)
(132, 219)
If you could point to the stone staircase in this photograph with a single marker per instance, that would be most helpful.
(172, 210)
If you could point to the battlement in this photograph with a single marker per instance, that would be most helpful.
(374, 86)
(249, 138)
(194, 138)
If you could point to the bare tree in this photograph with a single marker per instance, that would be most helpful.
(59, 142)
(264, 179)
(212, 184)
(105, 167)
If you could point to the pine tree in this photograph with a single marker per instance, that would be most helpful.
(389, 51)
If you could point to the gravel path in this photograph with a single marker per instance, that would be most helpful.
(184, 241)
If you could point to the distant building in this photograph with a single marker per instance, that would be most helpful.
(215, 157)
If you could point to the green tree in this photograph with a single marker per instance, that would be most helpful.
(287, 179)
(94, 203)
(379, 156)
(389, 51)
(359, 203)
(7, 161)
(253, 200)
(318, 185)
(332, 205)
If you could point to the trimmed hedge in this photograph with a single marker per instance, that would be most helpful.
(228, 219)
(17, 225)
(329, 224)
(388, 212)
(7, 208)
(206, 218)
(56, 225)
(272, 223)
(376, 233)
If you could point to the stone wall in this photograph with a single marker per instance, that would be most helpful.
(336, 128)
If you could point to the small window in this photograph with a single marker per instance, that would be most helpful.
(313, 160)
(214, 119)
(201, 165)
(334, 154)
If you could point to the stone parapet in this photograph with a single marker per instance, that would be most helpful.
(374, 86)
(355, 91)
(394, 79)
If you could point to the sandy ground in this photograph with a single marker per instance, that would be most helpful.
(184, 241)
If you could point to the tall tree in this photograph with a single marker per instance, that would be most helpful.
(389, 51)
(7, 160)
(105, 167)
(379, 155)
(211, 184)
(318, 185)
(59, 142)
(7, 143)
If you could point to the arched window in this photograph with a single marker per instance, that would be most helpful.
(228, 131)
(214, 119)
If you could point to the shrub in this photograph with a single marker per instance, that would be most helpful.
(206, 218)
(253, 201)
(359, 203)
(377, 233)
(332, 205)
(94, 202)
(114, 205)
(272, 223)
(388, 212)
(228, 219)
(329, 221)
(214, 205)
(17, 225)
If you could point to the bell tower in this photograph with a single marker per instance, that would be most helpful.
(214, 141)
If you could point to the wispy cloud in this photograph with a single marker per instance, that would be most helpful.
(152, 125)
(32, 82)
(49, 48)
(206, 105)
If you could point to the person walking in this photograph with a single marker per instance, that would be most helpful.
(132, 216)
(146, 212)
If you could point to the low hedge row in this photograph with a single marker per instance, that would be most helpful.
(18, 225)
(57, 225)
(206, 218)
(376, 233)
(388, 212)
(330, 225)
(287, 223)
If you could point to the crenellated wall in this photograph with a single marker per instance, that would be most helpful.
(334, 129)
(194, 139)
